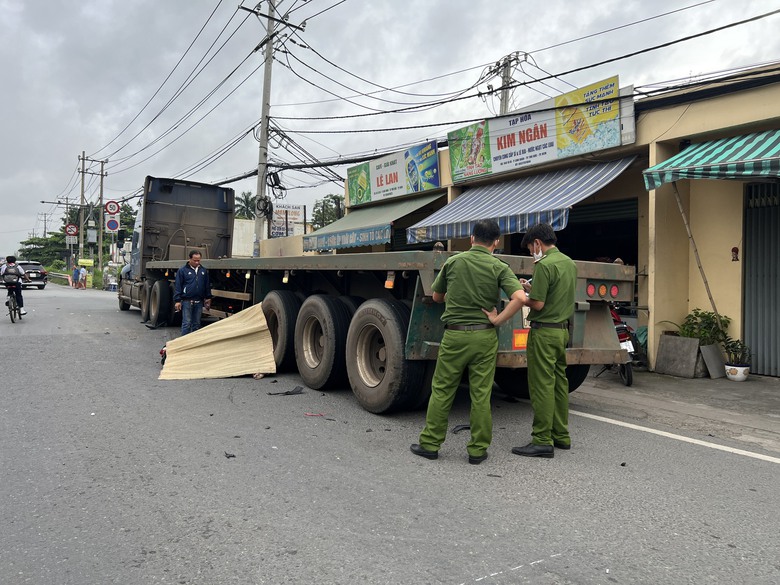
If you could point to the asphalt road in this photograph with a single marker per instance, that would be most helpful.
(111, 476)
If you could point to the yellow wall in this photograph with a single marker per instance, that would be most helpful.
(716, 224)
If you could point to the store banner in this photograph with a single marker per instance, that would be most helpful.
(401, 173)
(583, 120)
(588, 118)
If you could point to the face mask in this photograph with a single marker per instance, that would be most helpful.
(538, 255)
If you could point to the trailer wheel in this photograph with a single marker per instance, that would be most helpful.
(419, 399)
(381, 377)
(514, 381)
(352, 303)
(144, 301)
(320, 342)
(159, 303)
(174, 316)
(281, 308)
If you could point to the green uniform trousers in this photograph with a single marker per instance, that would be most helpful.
(548, 386)
(459, 350)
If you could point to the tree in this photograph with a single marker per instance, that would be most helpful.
(327, 210)
(245, 205)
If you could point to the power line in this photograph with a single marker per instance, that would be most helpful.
(185, 84)
(570, 71)
(197, 36)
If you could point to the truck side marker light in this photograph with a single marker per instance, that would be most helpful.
(227, 274)
(166, 273)
(246, 275)
(390, 280)
(286, 277)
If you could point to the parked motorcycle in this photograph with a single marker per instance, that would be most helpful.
(628, 341)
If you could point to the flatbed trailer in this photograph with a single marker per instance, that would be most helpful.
(365, 321)
(368, 321)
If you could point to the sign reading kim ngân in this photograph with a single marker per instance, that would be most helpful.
(584, 120)
(413, 170)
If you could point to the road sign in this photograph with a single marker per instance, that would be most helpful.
(112, 207)
(112, 223)
(71, 229)
(71, 240)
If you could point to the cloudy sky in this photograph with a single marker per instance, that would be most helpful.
(173, 88)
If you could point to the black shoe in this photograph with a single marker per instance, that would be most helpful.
(417, 450)
(531, 450)
(563, 446)
(477, 460)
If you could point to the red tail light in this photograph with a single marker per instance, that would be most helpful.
(591, 289)
(613, 291)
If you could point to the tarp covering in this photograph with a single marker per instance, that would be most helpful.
(238, 345)
(517, 205)
(739, 157)
(365, 226)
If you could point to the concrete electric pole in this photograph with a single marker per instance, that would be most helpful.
(83, 159)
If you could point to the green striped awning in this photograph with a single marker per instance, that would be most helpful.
(738, 157)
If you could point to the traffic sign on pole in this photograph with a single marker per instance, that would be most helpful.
(71, 229)
(112, 207)
(112, 223)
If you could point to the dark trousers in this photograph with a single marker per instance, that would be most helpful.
(191, 312)
(17, 288)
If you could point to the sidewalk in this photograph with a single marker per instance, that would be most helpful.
(748, 412)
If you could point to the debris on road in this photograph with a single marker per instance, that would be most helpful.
(293, 392)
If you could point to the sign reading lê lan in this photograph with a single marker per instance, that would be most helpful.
(584, 120)
(400, 173)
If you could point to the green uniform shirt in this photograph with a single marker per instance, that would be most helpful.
(554, 282)
(472, 281)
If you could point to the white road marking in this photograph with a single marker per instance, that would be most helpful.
(477, 580)
(677, 437)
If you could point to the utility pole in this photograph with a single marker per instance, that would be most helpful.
(262, 164)
(101, 219)
(83, 159)
(506, 79)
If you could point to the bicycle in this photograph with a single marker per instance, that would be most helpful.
(13, 308)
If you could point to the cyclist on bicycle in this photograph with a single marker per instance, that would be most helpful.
(12, 275)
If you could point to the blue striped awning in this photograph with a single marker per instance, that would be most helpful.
(738, 157)
(519, 204)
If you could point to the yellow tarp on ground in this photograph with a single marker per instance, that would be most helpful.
(238, 345)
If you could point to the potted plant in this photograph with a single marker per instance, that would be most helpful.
(696, 342)
(737, 359)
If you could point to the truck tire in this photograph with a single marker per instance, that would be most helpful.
(514, 381)
(174, 316)
(159, 303)
(123, 305)
(320, 342)
(352, 303)
(419, 399)
(381, 377)
(281, 308)
(144, 301)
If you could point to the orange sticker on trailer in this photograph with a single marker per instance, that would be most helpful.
(519, 338)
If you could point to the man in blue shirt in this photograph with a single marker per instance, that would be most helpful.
(192, 293)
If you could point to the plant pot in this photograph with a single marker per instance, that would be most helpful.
(738, 373)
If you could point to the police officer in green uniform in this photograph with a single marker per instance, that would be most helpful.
(551, 299)
(468, 283)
